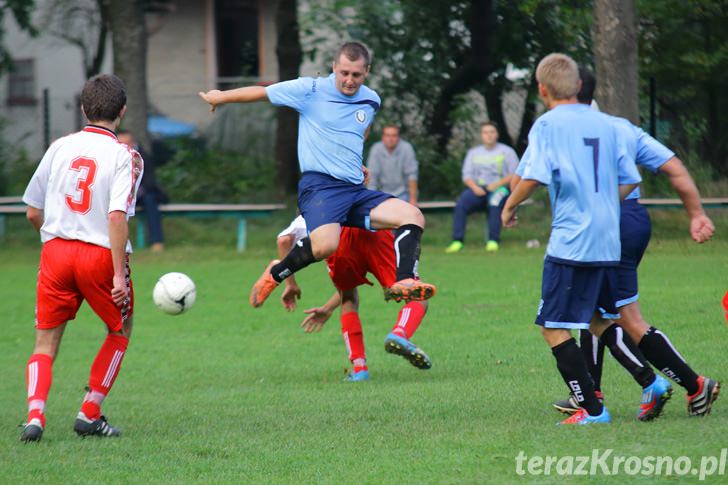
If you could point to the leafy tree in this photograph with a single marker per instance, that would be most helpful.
(430, 56)
(684, 47)
(615, 56)
(21, 10)
(82, 23)
(129, 40)
(290, 55)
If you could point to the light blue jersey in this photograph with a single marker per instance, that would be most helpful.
(331, 125)
(646, 151)
(578, 154)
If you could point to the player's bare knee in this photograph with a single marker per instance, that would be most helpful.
(598, 326)
(323, 249)
(415, 216)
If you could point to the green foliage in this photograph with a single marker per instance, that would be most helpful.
(420, 46)
(21, 11)
(197, 173)
(684, 46)
(16, 167)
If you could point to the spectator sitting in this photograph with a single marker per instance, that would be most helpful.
(393, 167)
(487, 171)
(150, 195)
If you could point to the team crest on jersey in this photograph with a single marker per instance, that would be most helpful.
(361, 116)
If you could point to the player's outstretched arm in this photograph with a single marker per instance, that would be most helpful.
(701, 227)
(35, 217)
(248, 94)
(318, 316)
(119, 235)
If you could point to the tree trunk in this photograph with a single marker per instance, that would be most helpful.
(615, 56)
(129, 39)
(290, 56)
(478, 63)
(94, 66)
(494, 102)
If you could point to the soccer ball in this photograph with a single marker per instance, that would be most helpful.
(174, 293)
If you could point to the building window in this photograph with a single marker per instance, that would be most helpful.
(21, 83)
(236, 24)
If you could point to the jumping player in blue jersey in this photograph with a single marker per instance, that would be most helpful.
(577, 153)
(336, 113)
(635, 228)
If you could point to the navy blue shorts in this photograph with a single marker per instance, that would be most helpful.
(570, 295)
(635, 228)
(323, 199)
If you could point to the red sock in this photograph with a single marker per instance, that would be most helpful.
(353, 336)
(38, 378)
(357, 368)
(410, 317)
(103, 373)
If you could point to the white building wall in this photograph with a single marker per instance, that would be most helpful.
(58, 67)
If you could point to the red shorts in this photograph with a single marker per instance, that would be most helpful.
(361, 252)
(71, 271)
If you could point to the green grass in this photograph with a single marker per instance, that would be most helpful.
(226, 393)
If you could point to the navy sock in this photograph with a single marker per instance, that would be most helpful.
(659, 351)
(572, 367)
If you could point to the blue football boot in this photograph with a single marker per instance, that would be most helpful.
(394, 344)
(582, 417)
(654, 398)
(362, 375)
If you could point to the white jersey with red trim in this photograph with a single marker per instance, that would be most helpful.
(80, 180)
(297, 228)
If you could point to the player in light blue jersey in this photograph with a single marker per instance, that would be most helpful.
(335, 115)
(576, 152)
(635, 228)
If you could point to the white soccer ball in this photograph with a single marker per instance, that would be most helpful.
(174, 293)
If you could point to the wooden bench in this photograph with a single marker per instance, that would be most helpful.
(239, 211)
(708, 202)
(14, 199)
(448, 205)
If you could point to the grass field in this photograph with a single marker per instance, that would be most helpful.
(226, 393)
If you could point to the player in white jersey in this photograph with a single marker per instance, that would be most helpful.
(80, 199)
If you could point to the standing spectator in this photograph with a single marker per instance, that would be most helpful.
(150, 195)
(487, 171)
(393, 167)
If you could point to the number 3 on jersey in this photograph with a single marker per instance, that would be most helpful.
(80, 202)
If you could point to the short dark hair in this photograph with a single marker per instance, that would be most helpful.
(353, 51)
(588, 85)
(102, 97)
(489, 123)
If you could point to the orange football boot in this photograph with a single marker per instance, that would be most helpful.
(409, 289)
(264, 286)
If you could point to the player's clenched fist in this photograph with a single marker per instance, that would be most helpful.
(213, 98)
